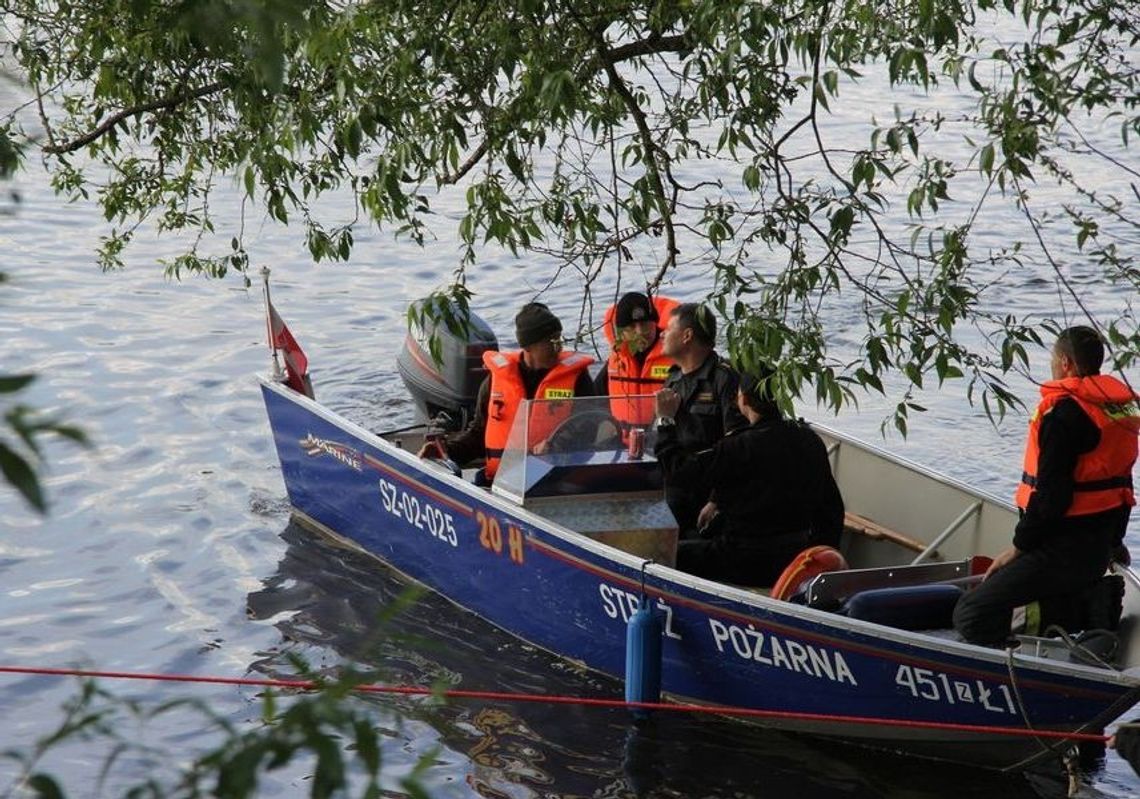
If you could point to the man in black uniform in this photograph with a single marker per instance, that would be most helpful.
(702, 390)
(775, 494)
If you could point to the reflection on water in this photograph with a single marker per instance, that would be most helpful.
(324, 596)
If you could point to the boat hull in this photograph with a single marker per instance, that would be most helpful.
(795, 667)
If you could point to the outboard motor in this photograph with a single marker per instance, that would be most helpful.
(445, 392)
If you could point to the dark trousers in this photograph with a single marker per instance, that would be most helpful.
(685, 503)
(1065, 565)
(756, 562)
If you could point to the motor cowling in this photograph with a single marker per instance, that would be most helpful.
(444, 389)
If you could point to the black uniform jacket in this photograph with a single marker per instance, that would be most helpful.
(708, 404)
(771, 478)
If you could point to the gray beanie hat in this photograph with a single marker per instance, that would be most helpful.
(534, 322)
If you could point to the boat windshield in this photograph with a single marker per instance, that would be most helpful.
(554, 440)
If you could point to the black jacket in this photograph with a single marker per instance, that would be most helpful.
(708, 404)
(770, 478)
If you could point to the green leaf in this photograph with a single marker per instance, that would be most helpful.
(9, 384)
(902, 303)
(45, 787)
(986, 162)
(367, 745)
(514, 165)
(20, 475)
(900, 423)
(820, 96)
(831, 81)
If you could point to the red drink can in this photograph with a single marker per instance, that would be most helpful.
(636, 443)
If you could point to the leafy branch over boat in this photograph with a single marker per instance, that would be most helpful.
(646, 138)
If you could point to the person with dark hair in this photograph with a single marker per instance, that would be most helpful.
(701, 388)
(637, 367)
(539, 369)
(775, 494)
(1075, 494)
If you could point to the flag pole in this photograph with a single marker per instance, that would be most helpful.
(277, 372)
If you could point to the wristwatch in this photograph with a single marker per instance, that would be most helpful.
(665, 421)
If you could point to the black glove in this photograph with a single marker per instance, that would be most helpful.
(1127, 743)
(1121, 555)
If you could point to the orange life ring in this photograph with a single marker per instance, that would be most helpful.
(809, 563)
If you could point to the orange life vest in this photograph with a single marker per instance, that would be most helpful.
(1103, 476)
(632, 384)
(508, 391)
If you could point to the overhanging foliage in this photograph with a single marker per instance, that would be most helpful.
(600, 134)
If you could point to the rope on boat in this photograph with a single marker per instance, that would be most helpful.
(554, 699)
(1070, 757)
(1077, 643)
(1020, 701)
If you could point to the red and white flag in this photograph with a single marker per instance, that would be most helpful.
(296, 364)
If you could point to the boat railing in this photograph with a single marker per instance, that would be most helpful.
(941, 538)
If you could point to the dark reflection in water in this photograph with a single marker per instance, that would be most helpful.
(325, 598)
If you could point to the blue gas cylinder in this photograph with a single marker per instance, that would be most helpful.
(643, 656)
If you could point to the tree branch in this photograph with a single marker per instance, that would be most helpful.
(113, 120)
(466, 166)
(651, 153)
(650, 46)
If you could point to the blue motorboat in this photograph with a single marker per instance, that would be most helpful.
(574, 532)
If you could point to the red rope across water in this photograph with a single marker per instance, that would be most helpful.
(553, 699)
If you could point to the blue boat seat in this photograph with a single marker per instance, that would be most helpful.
(910, 607)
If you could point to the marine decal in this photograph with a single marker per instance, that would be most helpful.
(314, 446)
(492, 539)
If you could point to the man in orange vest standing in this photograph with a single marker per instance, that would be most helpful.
(1075, 494)
(637, 367)
(540, 369)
